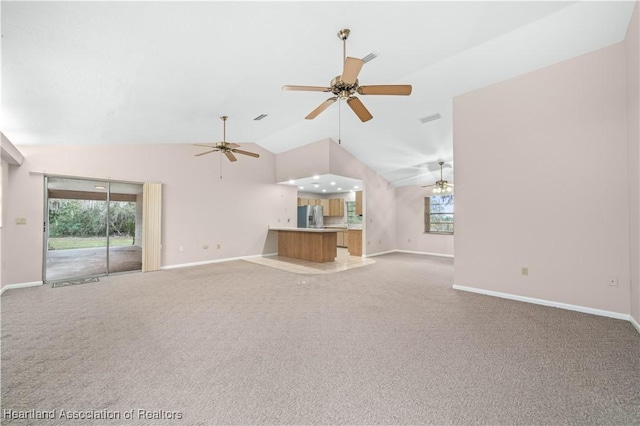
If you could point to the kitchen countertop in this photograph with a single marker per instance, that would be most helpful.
(303, 229)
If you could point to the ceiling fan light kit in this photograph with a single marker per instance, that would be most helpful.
(346, 86)
(441, 187)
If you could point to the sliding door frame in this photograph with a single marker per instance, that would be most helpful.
(149, 245)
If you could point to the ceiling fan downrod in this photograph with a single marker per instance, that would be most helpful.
(344, 35)
(224, 128)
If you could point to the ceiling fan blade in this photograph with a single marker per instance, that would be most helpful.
(399, 89)
(207, 145)
(352, 67)
(206, 152)
(232, 145)
(250, 154)
(360, 110)
(307, 88)
(230, 156)
(326, 104)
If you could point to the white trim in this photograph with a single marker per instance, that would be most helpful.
(9, 153)
(20, 285)
(379, 253)
(634, 323)
(425, 253)
(409, 252)
(208, 262)
(553, 304)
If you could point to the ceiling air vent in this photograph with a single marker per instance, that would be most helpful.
(369, 57)
(430, 118)
(260, 117)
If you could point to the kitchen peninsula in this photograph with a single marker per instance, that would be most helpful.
(313, 244)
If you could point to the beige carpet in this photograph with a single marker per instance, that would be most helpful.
(241, 343)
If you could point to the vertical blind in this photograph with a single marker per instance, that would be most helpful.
(151, 226)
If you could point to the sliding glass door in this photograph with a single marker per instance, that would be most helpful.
(90, 228)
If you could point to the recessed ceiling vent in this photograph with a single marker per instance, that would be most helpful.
(430, 118)
(369, 57)
(260, 117)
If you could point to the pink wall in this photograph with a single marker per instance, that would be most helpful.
(632, 47)
(410, 224)
(199, 208)
(4, 171)
(542, 182)
(308, 160)
(378, 196)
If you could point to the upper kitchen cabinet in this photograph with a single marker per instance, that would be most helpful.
(336, 207)
(330, 207)
(359, 203)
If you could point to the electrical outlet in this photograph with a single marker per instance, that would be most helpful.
(524, 271)
(612, 281)
(21, 220)
(181, 248)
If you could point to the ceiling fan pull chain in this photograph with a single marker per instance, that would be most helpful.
(220, 165)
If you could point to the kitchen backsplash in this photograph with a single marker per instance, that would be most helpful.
(333, 220)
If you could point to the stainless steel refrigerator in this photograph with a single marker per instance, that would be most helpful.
(310, 217)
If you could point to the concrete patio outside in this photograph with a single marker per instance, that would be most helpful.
(83, 262)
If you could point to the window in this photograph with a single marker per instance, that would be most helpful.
(352, 217)
(438, 214)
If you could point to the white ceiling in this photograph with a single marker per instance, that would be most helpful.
(325, 184)
(163, 72)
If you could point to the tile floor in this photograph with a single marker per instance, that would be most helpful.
(342, 263)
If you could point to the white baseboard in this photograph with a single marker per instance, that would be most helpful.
(544, 302)
(409, 252)
(208, 262)
(379, 253)
(634, 323)
(425, 253)
(20, 285)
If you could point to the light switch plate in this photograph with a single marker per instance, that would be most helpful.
(21, 220)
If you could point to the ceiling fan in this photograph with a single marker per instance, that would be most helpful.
(345, 86)
(441, 186)
(227, 148)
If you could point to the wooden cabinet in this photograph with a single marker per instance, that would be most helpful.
(359, 203)
(336, 207)
(313, 246)
(330, 207)
(355, 242)
(343, 239)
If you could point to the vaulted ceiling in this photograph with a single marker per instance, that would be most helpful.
(163, 72)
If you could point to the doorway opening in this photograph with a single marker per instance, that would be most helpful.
(92, 228)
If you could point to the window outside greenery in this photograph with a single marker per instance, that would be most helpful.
(438, 214)
(87, 218)
(352, 217)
